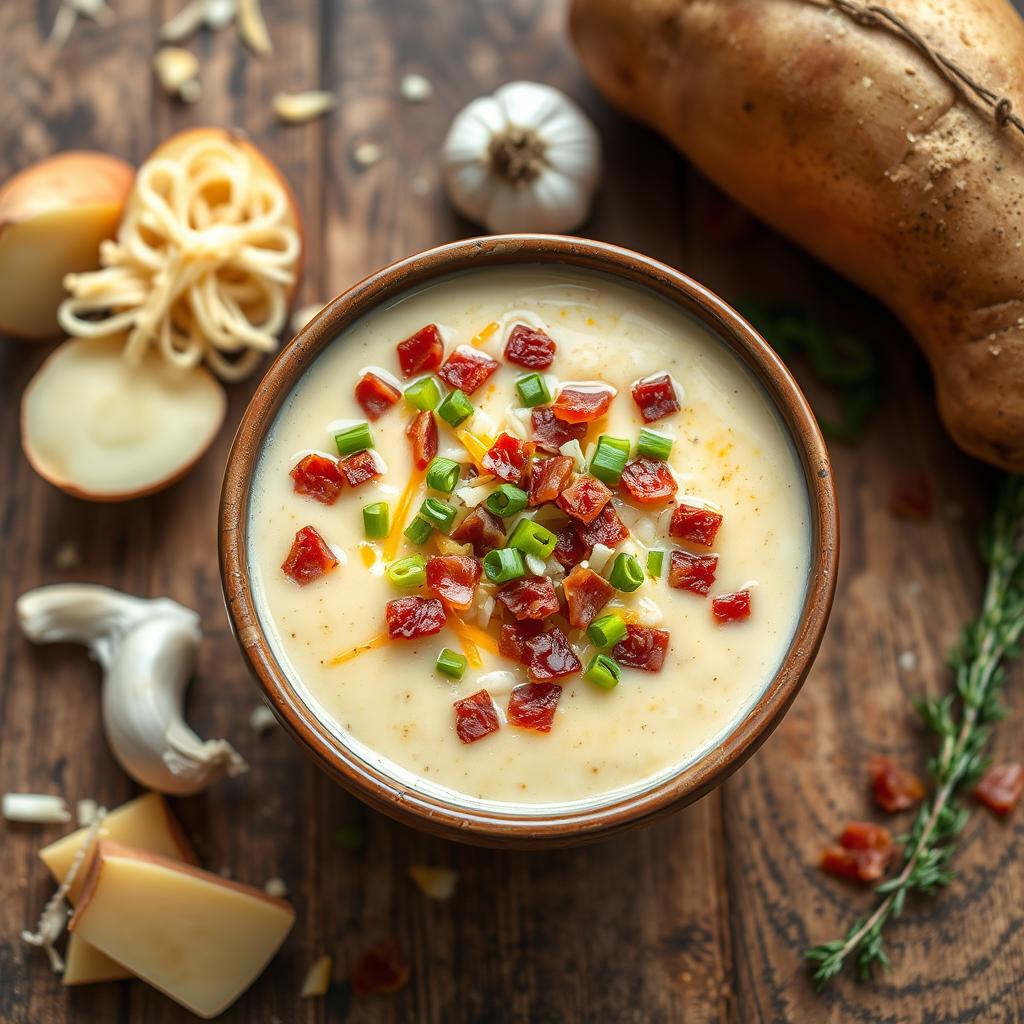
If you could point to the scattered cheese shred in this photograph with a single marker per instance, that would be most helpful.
(412, 490)
(368, 553)
(471, 637)
(476, 444)
(371, 645)
(435, 883)
(318, 979)
(478, 339)
(35, 808)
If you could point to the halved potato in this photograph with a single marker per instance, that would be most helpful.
(100, 428)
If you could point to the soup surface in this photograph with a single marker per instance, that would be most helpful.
(729, 457)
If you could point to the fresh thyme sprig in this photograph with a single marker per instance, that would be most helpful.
(962, 721)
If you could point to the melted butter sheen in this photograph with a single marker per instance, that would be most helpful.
(388, 704)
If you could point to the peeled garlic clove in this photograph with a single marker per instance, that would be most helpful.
(252, 28)
(177, 71)
(299, 107)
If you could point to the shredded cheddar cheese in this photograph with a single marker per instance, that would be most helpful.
(476, 444)
(371, 645)
(471, 638)
(483, 335)
(394, 538)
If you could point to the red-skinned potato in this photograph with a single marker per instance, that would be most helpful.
(847, 139)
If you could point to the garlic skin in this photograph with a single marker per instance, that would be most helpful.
(147, 649)
(525, 159)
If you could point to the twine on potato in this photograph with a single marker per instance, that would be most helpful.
(876, 16)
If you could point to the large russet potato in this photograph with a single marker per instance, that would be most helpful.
(847, 139)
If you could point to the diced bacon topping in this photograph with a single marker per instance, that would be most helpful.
(466, 369)
(911, 497)
(549, 656)
(586, 594)
(643, 648)
(530, 348)
(550, 433)
(359, 468)
(607, 529)
(532, 706)
(696, 524)
(532, 597)
(895, 788)
(475, 717)
(514, 635)
(584, 499)
(731, 607)
(695, 573)
(309, 557)
(582, 405)
(382, 968)
(422, 352)
(1001, 787)
(318, 477)
(570, 550)
(655, 397)
(412, 617)
(422, 432)
(649, 481)
(481, 529)
(375, 395)
(507, 458)
(864, 852)
(453, 578)
(548, 478)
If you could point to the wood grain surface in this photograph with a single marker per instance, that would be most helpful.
(698, 919)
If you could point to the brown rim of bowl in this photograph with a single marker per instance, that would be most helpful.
(561, 827)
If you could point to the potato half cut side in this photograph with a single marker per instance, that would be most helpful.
(100, 428)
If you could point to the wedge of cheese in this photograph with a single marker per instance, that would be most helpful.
(145, 822)
(198, 938)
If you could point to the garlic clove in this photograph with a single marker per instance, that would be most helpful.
(299, 107)
(177, 71)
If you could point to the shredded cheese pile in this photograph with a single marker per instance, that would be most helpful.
(201, 267)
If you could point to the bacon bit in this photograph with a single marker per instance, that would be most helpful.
(695, 573)
(371, 645)
(529, 348)
(422, 432)
(476, 444)
(607, 529)
(549, 656)
(359, 468)
(731, 607)
(376, 395)
(475, 717)
(413, 489)
(514, 636)
(584, 499)
(421, 352)
(911, 497)
(453, 578)
(586, 594)
(470, 638)
(309, 557)
(550, 433)
(533, 705)
(412, 617)
(570, 549)
(548, 477)
(507, 458)
(655, 397)
(478, 339)
(576, 405)
(1001, 787)
(467, 370)
(319, 478)
(643, 648)
(382, 968)
(481, 529)
(532, 597)
(649, 481)
(894, 787)
(696, 524)
(864, 852)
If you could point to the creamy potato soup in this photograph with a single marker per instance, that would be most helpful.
(529, 536)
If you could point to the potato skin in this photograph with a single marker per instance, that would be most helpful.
(848, 140)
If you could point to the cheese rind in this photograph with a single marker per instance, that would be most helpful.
(198, 938)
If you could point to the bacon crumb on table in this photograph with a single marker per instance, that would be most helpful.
(380, 969)
(894, 788)
(1001, 787)
(864, 852)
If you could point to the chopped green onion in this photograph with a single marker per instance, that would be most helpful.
(438, 514)
(532, 539)
(606, 630)
(355, 439)
(424, 393)
(533, 390)
(418, 531)
(456, 408)
(655, 564)
(506, 501)
(410, 571)
(609, 459)
(451, 664)
(626, 574)
(652, 444)
(376, 520)
(504, 564)
(443, 474)
(603, 671)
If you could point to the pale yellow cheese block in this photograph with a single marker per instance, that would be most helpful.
(86, 965)
(198, 938)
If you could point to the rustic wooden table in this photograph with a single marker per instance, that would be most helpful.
(700, 918)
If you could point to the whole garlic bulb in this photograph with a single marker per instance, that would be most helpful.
(525, 159)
